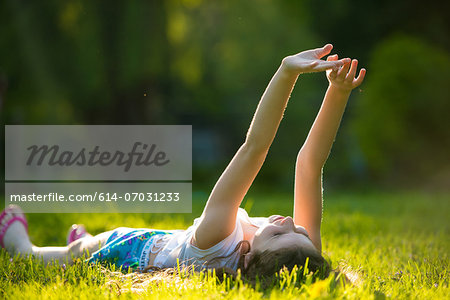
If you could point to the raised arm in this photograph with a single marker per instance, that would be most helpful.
(314, 153)
(219, 216)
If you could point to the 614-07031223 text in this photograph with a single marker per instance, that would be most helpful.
(101, 197)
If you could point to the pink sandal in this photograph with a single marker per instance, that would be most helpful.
(11, 209)
(75, 232)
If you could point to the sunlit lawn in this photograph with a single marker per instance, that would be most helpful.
(396, 243)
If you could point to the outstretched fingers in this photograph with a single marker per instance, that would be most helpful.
(350, 78)
(332, 62)
(333, 72)
(325, 50)
(360, 78)
(311, 61)
(352, 72)
(333, 57)
(344, 69)
(326, 65)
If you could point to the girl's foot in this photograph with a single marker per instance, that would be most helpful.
(14, 230)
(76, 231)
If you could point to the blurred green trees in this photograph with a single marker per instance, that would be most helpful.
(206, 63)
(402, 116)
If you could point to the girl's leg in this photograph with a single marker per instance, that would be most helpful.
(16, 240)
(86, 245)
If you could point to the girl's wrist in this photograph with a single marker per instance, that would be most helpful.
(339, 89)
(288, 71)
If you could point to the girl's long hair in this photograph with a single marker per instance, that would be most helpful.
(262, 266)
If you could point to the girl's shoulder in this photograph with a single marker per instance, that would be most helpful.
(257, 221)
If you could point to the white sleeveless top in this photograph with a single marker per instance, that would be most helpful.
(178, 245)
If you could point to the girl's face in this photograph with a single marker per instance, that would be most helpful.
(280, 232)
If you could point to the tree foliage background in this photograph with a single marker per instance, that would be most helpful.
(206, 63)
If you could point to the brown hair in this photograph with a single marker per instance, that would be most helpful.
(262, 266)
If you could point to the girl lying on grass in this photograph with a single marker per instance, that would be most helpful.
(224, 237)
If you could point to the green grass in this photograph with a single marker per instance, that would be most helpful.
(396, 245)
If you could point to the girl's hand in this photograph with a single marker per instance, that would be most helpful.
(344, 78)
(310, 61)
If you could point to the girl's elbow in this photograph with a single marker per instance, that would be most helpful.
(308, 165)
(254, 149)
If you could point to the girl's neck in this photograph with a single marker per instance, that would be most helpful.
(249, 231)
